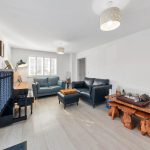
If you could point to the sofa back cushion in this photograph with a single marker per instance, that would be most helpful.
(100, 82)
(43, 82)
(88, 82)
(53, 80)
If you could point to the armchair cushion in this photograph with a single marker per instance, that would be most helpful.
(42, 81)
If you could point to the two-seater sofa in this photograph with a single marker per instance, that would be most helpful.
(92, 90)
(47, 86)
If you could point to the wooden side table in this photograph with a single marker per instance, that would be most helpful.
(113, 111)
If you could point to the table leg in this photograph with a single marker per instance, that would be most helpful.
(25, 108)
(113, 112)
(127, 121)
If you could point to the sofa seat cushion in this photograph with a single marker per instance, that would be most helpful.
(55, 89)
(85, 95)
(51, 89)
(52, 81)
(82, 90)
(43, 90)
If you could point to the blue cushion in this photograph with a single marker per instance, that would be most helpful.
(55, 89)
(53, 80)
(43, 82)
(51, 89)
(43, 90)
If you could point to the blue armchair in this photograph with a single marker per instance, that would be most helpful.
(47, 86)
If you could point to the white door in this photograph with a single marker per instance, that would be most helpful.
(81, 69)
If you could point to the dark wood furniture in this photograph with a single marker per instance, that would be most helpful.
(24, 102)
(22, 99)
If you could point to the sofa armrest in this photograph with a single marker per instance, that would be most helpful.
(62, 84)
(78, 84)
(99, 92)
(35, 87)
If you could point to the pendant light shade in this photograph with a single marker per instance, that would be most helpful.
(60, 50)
(110, 19)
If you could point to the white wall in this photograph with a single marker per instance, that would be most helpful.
(7, 54)
(125, 61)
(63, 61)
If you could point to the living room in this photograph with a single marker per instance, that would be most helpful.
(75, 75)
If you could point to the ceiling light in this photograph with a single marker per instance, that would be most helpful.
(60, 50)
(110, 19)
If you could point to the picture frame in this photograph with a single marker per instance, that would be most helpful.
(1, 49)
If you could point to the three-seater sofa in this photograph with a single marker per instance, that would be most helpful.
(92, 90)
(47, 86)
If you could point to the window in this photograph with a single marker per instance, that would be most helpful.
(42, 66)
(46, 66)
(53, 66)
(39, 66)
(32, 66)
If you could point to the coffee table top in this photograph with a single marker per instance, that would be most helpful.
(68, 91)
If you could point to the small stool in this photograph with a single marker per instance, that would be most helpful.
(68, 99)
(127, 116)
(113, 111)
(144, 123)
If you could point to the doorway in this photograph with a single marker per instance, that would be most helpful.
(81, 69)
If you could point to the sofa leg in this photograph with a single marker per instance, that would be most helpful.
(93, 105)
(64, 106)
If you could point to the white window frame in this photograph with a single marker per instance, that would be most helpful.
(43, 66)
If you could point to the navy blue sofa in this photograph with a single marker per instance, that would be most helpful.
(47, 86)
(92, 90)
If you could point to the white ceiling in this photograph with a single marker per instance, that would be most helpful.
(39, 24)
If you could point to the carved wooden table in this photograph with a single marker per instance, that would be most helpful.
(129, 109)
